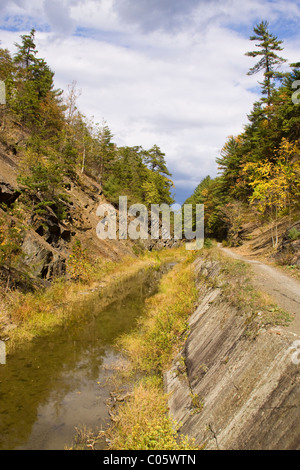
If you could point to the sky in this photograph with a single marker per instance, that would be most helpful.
(171, 73)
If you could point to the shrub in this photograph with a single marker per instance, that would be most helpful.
(294, 234)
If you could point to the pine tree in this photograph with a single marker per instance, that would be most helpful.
(155, 160)
(26, 51)
(106, 152)
(33, 83)
(269, 61)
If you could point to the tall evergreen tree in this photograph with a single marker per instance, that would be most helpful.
(33, 82)
(106, 152)
(268, 45)
(155, 160)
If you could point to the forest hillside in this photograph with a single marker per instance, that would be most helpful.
(256, 195)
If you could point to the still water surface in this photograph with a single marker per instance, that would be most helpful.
(60, 382)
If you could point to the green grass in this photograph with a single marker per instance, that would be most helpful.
(143, 421)
(162, 331)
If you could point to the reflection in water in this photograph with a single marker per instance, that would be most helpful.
(58, 382)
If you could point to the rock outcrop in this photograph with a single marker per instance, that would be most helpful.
(47, 238)
(229, 389)
(8, 194)
(289, 248)
(42, 259)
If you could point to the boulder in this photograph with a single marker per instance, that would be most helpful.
(8, 194)
(44, 262)
(289, 249)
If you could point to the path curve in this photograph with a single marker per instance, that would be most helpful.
(283, 289)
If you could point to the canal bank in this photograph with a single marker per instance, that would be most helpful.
(60, 381)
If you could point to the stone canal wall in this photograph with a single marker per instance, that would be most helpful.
(230, 388)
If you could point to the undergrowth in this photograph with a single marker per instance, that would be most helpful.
(143, 423)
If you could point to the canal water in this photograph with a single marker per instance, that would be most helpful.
(61, 381)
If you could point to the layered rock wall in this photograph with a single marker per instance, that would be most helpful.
(230, 389)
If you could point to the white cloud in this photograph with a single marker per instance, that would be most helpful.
(58, 15)
(184, 88)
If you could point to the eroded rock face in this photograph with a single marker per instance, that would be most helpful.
(43, 261)
(49, 235)
(234, 391)
(8, 194)
(289, 249)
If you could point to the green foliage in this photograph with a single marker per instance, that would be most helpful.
(294, 234)
(33, 100)
(10, 241)
(79, 267)
(260, 166)
(130, 175)
(269, 60)
(42, 182)
(58, 141)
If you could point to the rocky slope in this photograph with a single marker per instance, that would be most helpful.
(255, 239)
(47, 242)
(231, 387)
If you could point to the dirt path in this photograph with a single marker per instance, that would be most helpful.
(284, 290)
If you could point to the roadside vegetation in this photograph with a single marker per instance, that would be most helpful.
(235, 278)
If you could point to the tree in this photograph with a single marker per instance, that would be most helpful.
(106, 152)
(201, 191)
(287, 112)
(7, 71)
(33, 86)
(26, 51)
(212, 194)
(269, 60)
(10, 243)
(276, 185)
(229, 162)
(155, 160)
(41, 180)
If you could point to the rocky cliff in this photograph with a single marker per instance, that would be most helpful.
(232, 386)
(47, 241)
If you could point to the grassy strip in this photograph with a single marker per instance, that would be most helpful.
(162, 331)
(142, 422)
(35, 314)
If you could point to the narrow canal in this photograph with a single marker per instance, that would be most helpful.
(59, 382)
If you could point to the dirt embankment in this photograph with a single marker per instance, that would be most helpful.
(230, 389)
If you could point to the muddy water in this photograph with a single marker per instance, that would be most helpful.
(60, 382)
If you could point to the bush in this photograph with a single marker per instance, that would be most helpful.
(143, 423)
(294, 234)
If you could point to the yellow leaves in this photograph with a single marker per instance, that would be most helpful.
(275, 184)
(78, 265)
(288, 150)
(265, 123)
